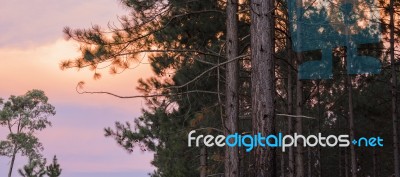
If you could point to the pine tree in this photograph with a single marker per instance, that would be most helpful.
(194, 51)
(53, 170)
(230, 124)
(394, 92)
(35, 168)
(263, 83)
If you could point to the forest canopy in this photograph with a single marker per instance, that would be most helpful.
(248, 67)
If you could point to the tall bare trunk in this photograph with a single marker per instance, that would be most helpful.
(203, 162)
(374, 161)
(394, 94)
(232, 83)
(242, 162)
(342, 152)
(351, 127)
(346, 163)
(299, 106)
(263, 83)
(340, 163)
(299, 125)
(282, 153)
(309, 154)
(320, 116)
(290, 107)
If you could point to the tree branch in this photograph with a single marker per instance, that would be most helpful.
(208, 70)
(144, 96)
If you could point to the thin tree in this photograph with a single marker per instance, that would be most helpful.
(299, 125)
(263, 82)
(35, 168)
(232, 86)
(290, 89)
(54, 170)
(351, 124)
(394, 92)
(299, 162)
(290, 107)
(22, 116)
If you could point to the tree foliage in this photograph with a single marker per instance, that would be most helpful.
(22, 116)
(53, 170)
(35, 168)
(185, 42)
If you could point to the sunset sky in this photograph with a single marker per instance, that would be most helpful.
(31, 48)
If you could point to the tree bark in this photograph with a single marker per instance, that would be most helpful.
(351, 127)
(309, 169)
(319, 149)
(12, 160)
(263, 83)
(346, 163)
(394, 94)
(203, 162)
(232, 83)
(282, 153)
(299, 106)
(340, 163)
(290, 107)
(374, 161)
(299, 125)
(342, 152)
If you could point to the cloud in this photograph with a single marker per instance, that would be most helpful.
(78, 140)
(38, 67)
(31, 48)
(29, 23)
(77, 135)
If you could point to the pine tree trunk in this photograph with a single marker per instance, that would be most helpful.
(394, 94)
(319, 165)
(203, 162)
(299, 125)
(346, 163)
(299, 106)
(342, 151)
(242, 161)
(290, 107)
(232, 98)
(282, 154)
(340, 163)
(351, 127)
(263, 83)
(374, 170)
(309, 154)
